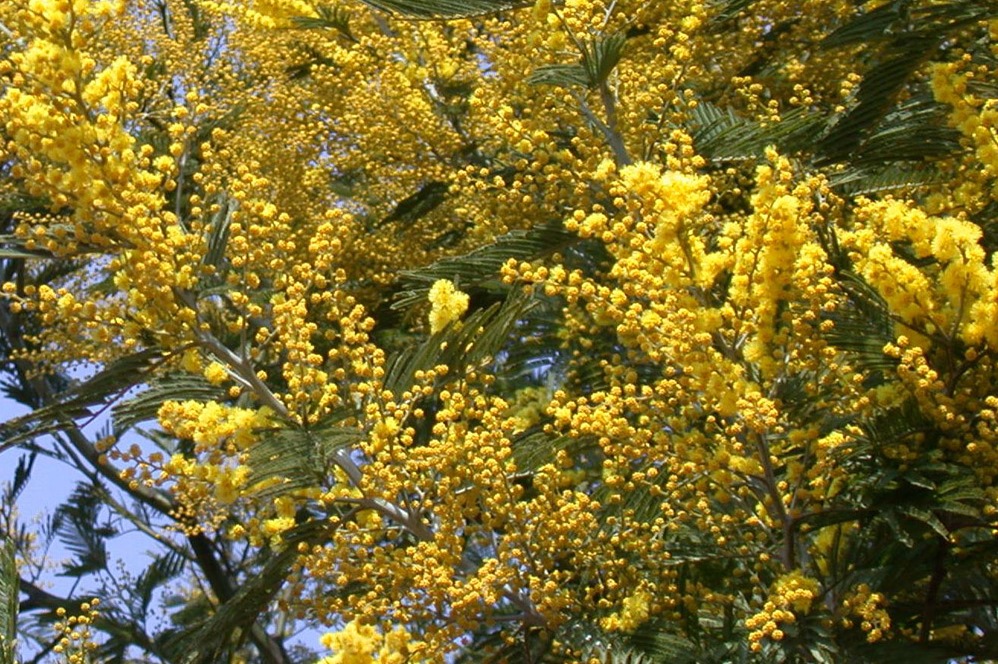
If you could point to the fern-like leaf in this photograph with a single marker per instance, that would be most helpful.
(599, 58)
(915, 131)
(908, 36)
(162, 569)
(290, 459)
(722, 136)
(8, 600)
(469, 343)
(111, 382)
(897, 177)
(863, 327)
(79, 532)
(434, 9)
(866, 27)
(205, 642)
(561, 75)
(327, 18)
(481, 266)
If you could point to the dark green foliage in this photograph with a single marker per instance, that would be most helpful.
(891, 137)
(331, 17)
(76, 402)
(599, 58)
(431, 9)
(8, 600)
(416, 206)
(480, 267)
(82, 529)
(298, 458)
(722, 136)
(469, 344)
(207, 640)
(900, 36)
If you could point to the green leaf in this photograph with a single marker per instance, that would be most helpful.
(534, 448)
(910, 36)
(562, 75)
(205, 643)
(163, 568)
(899, 531)
(909, 652)
(471, 342)
(481, 266)
(79, 531)
(663, 646)
(867, 26)
(599, 58)
(722, 136)
(417, 205)
(863, 327)
(894, 425)
(875, 95)
(727, 10)
(10, 252)
(328, 18)
(111, 382)
(429, 9)
(894, 177)
(829, 517)
(22, 473)
(649, 644)
(297, 458)
(915, 131)
(218, 236)
(926, 517)
(8, 600)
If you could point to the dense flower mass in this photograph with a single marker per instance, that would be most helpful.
(579, 329)
(447, 304)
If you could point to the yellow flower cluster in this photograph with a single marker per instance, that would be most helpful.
(634, 612)
(357, 643)
(955, 298)
(777, 254)
(246, 209)
(264, 14)
(214, 476)
(447, 304)
(465, 476)
(790, 597)
(76, 644)
(976, 117)
(868, 608)
(212, 426)
(70, 108)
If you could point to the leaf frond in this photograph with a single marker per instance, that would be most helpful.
(469, 343)
(290, 459)
(435, 9)
(481, 266)
(9, 584)
(111, 382)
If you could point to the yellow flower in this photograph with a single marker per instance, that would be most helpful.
(215, 373)
(354, 644)
(448, 304)
(635, 611)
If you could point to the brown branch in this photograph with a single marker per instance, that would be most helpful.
(932, 594)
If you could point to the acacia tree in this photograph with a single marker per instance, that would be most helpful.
(581, 331)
